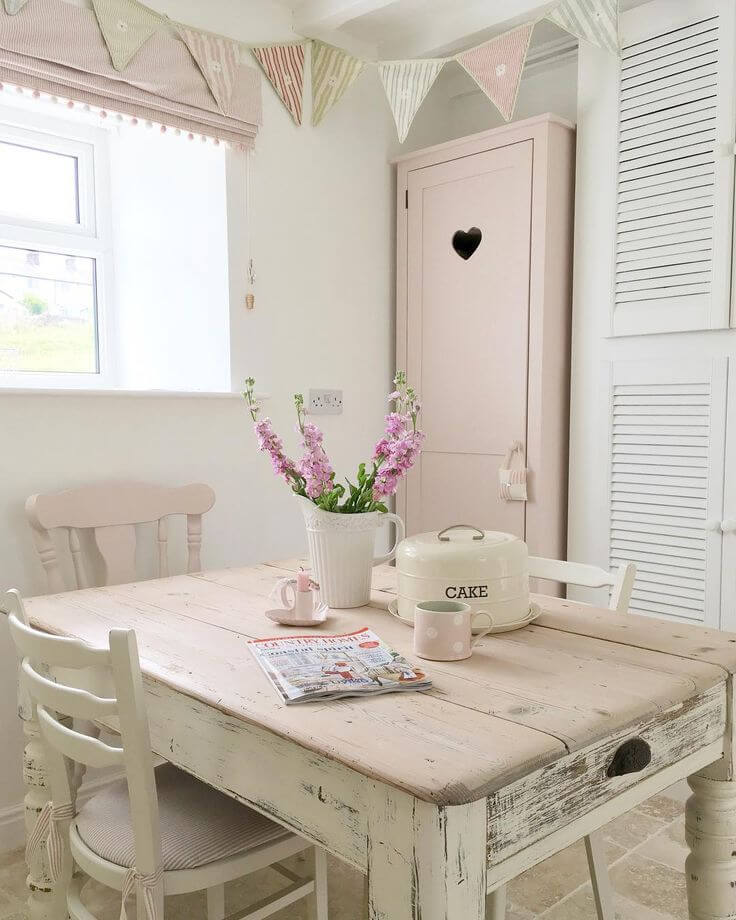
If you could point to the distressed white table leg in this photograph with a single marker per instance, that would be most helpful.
(496, 904)
(44, 903)
(425, 862)
(710, 829)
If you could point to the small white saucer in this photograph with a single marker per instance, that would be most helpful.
(535, 611)
(288, 618)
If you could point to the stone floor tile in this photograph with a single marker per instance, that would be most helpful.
(11, 857)
(668, 847)
(650, 884)
(680, 792)
(541, 887)
(13, 875)
(628, 831)
(662, 806)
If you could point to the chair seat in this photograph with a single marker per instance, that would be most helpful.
(199, 825)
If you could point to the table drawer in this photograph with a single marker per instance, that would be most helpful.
(539, 804)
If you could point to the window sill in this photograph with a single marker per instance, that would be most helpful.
(135, 394)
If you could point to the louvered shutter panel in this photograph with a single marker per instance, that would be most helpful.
(666, 481)
(675, 177)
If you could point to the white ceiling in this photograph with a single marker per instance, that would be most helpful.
(389, 29)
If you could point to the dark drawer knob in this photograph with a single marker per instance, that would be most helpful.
(631, 757)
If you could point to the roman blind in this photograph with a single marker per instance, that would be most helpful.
(674, 184)
(667, 431)
(56, 47)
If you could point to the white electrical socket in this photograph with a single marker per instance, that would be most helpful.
(325, 402)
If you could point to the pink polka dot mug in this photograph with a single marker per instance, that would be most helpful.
(443, 630)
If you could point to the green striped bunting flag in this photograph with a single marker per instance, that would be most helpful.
(333, 72)
(594, 21)
(407, 84)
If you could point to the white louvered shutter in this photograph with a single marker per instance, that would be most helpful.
(666, 481)
(675, 170)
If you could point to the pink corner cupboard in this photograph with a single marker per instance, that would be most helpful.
(484, 269)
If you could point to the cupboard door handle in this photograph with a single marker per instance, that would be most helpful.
(728, 526)
(631, 757)
(713, 524)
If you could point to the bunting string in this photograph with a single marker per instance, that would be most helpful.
(495, 65)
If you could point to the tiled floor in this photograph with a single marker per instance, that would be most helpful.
(646, 853)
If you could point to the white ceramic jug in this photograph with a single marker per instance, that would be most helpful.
(342, 547)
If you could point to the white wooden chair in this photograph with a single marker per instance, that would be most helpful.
(111, 511)
(621, 583)
(156, 832)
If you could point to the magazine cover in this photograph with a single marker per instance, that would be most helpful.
(306, 668)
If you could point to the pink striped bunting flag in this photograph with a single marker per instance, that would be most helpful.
(496, 66)
(219, 59)
(284, 67)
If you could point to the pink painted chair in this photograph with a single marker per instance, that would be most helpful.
(111, 511)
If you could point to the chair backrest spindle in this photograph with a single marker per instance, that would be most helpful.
(111, 511)
(55, 672)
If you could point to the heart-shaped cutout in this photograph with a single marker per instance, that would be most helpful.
(466, 242)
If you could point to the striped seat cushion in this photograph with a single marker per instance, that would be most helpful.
(198, 824)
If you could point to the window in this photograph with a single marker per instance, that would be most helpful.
(53, 308)
(115, 241)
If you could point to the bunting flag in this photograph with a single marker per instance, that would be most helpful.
(284, 67)
(407, 84)
(594, 21)
(12, 6)
(218, 58)
(126, 26)
(496, 66)
(333, 73)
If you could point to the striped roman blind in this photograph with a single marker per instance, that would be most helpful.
(57, 48)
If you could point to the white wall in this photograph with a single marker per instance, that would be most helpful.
(458, 104)
(323, 244)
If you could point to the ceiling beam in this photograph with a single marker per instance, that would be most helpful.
(449, 32)
(312, 16)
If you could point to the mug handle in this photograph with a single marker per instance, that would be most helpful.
(400, 531)
(286, 584)
(481, 613)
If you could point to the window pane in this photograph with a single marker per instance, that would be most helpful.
(48, 312)
(38, 185)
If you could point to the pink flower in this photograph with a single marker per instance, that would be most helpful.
(400, 455)
(381, 449)
(314, 466)
(269, 442)
(395, 424)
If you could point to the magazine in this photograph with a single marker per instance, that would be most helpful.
(307, 668)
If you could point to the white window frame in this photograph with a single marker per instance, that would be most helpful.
(91, 237)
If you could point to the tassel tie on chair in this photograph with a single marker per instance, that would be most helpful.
(148, 883)
(47, 828)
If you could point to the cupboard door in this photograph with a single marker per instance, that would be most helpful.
(467, 333)
(677, 125)
(667, 436)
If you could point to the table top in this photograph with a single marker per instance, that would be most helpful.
(526, 698)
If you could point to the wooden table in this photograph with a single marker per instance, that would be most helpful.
(438, 797)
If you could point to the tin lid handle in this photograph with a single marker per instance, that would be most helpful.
(443, 539)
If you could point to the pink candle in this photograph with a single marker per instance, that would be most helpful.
(302, 581)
